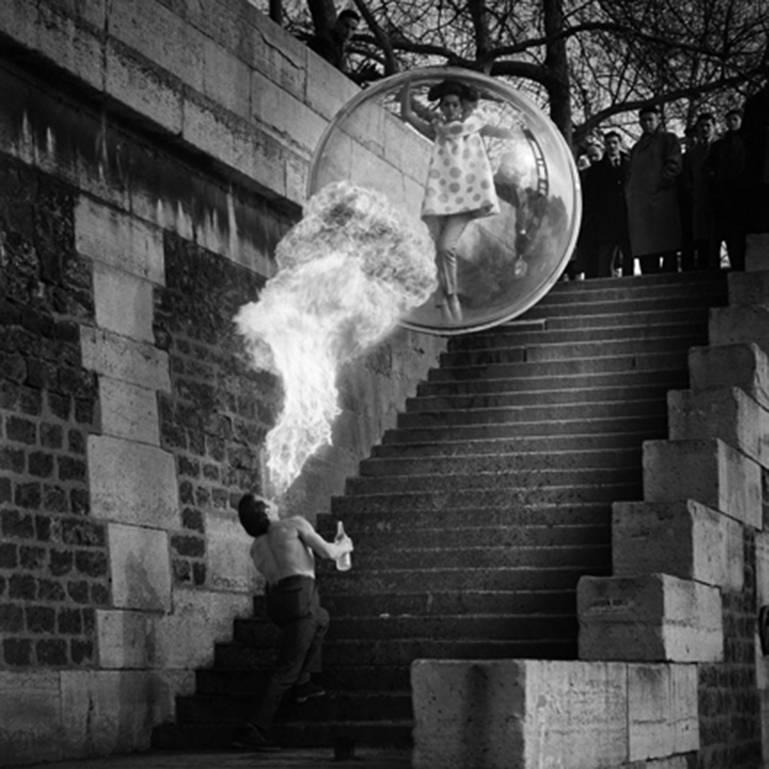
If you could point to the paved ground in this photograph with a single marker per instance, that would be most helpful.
(365, 758)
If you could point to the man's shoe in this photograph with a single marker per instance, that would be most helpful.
(307, 691)
(251, 737)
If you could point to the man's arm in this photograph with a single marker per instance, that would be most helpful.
(409, 115)
(318, 545)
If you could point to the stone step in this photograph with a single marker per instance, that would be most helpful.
(501, 337)
(566, 351)
(411, 521)
(247, 681)
(530, 398)
(295, 734)
(684, 314)
(531, 414)
(564, 427)
(491, 480)
(354, 705)
(453, 603)
(689, 284)
(501, 462)
(562, 304)
(649, 617)
(402, 651)
(369, 544)
(675, 360)
(574, 382)
(388, 580)
(536, 444)
(441, 500)
(368, 629)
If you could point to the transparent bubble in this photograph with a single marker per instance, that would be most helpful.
(520, 206)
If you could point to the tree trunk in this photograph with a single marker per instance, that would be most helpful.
(557, 64)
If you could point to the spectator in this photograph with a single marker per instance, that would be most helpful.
(610, 221)
(685, 202)
(698, 195)
(726, 167)
(587, 245)
(652, 198)
(755, 131)
(333, 44)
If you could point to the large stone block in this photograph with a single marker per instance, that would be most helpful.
(19, 20)
(653, 617)
(734, 365)
(162, 37)
(185, 638)
(73, 45)
(757, 251)
(226, 79)
(125, 359)
(119, 240)
(684, 539)
(140, 568)
(123, 638)
(132, 483)
(30, 717)
(273, 107)
(230, 566)
(727, 413)
(326, 91)
(123, 303)
(762, 568)
(128, 411)
(746, 288)
(145, 88)
(663, 714)
(707, 471)
(107, 712)
(742, 323)
(525, 714)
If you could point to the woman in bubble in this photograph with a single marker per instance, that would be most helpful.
(460, 183)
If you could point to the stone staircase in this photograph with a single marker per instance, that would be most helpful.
(478, 514)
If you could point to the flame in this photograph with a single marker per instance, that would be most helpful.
(346, 273)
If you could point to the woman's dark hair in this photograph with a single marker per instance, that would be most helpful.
(252, 513)
(453, 88)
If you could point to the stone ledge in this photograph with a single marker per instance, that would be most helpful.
(747, 288)
(742, 365)
(652, 617)
(708, 471)
(497, 714)
(683, 539)
(743, 323)
(757, 252)
(726, 413)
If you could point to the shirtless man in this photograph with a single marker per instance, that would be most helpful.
(284, 552)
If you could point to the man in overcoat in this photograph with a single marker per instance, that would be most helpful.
(652, 198)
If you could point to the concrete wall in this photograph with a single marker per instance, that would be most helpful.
(152, 153)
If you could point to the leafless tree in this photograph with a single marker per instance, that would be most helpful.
(593, 62)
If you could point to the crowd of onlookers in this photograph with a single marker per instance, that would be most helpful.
(668, 204)
(664, 205)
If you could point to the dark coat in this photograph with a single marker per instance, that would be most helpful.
(608, 196)
(651, 194)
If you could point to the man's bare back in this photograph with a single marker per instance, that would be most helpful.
(289, 547)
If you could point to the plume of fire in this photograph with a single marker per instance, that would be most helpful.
(346, 273)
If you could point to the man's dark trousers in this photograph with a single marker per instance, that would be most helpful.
(294, 606)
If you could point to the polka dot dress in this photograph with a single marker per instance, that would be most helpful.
(460, 179)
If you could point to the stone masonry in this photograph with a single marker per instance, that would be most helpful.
(151, 156)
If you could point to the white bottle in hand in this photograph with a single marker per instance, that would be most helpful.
(344, 562)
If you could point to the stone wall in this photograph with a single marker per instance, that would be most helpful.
(151, 156)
